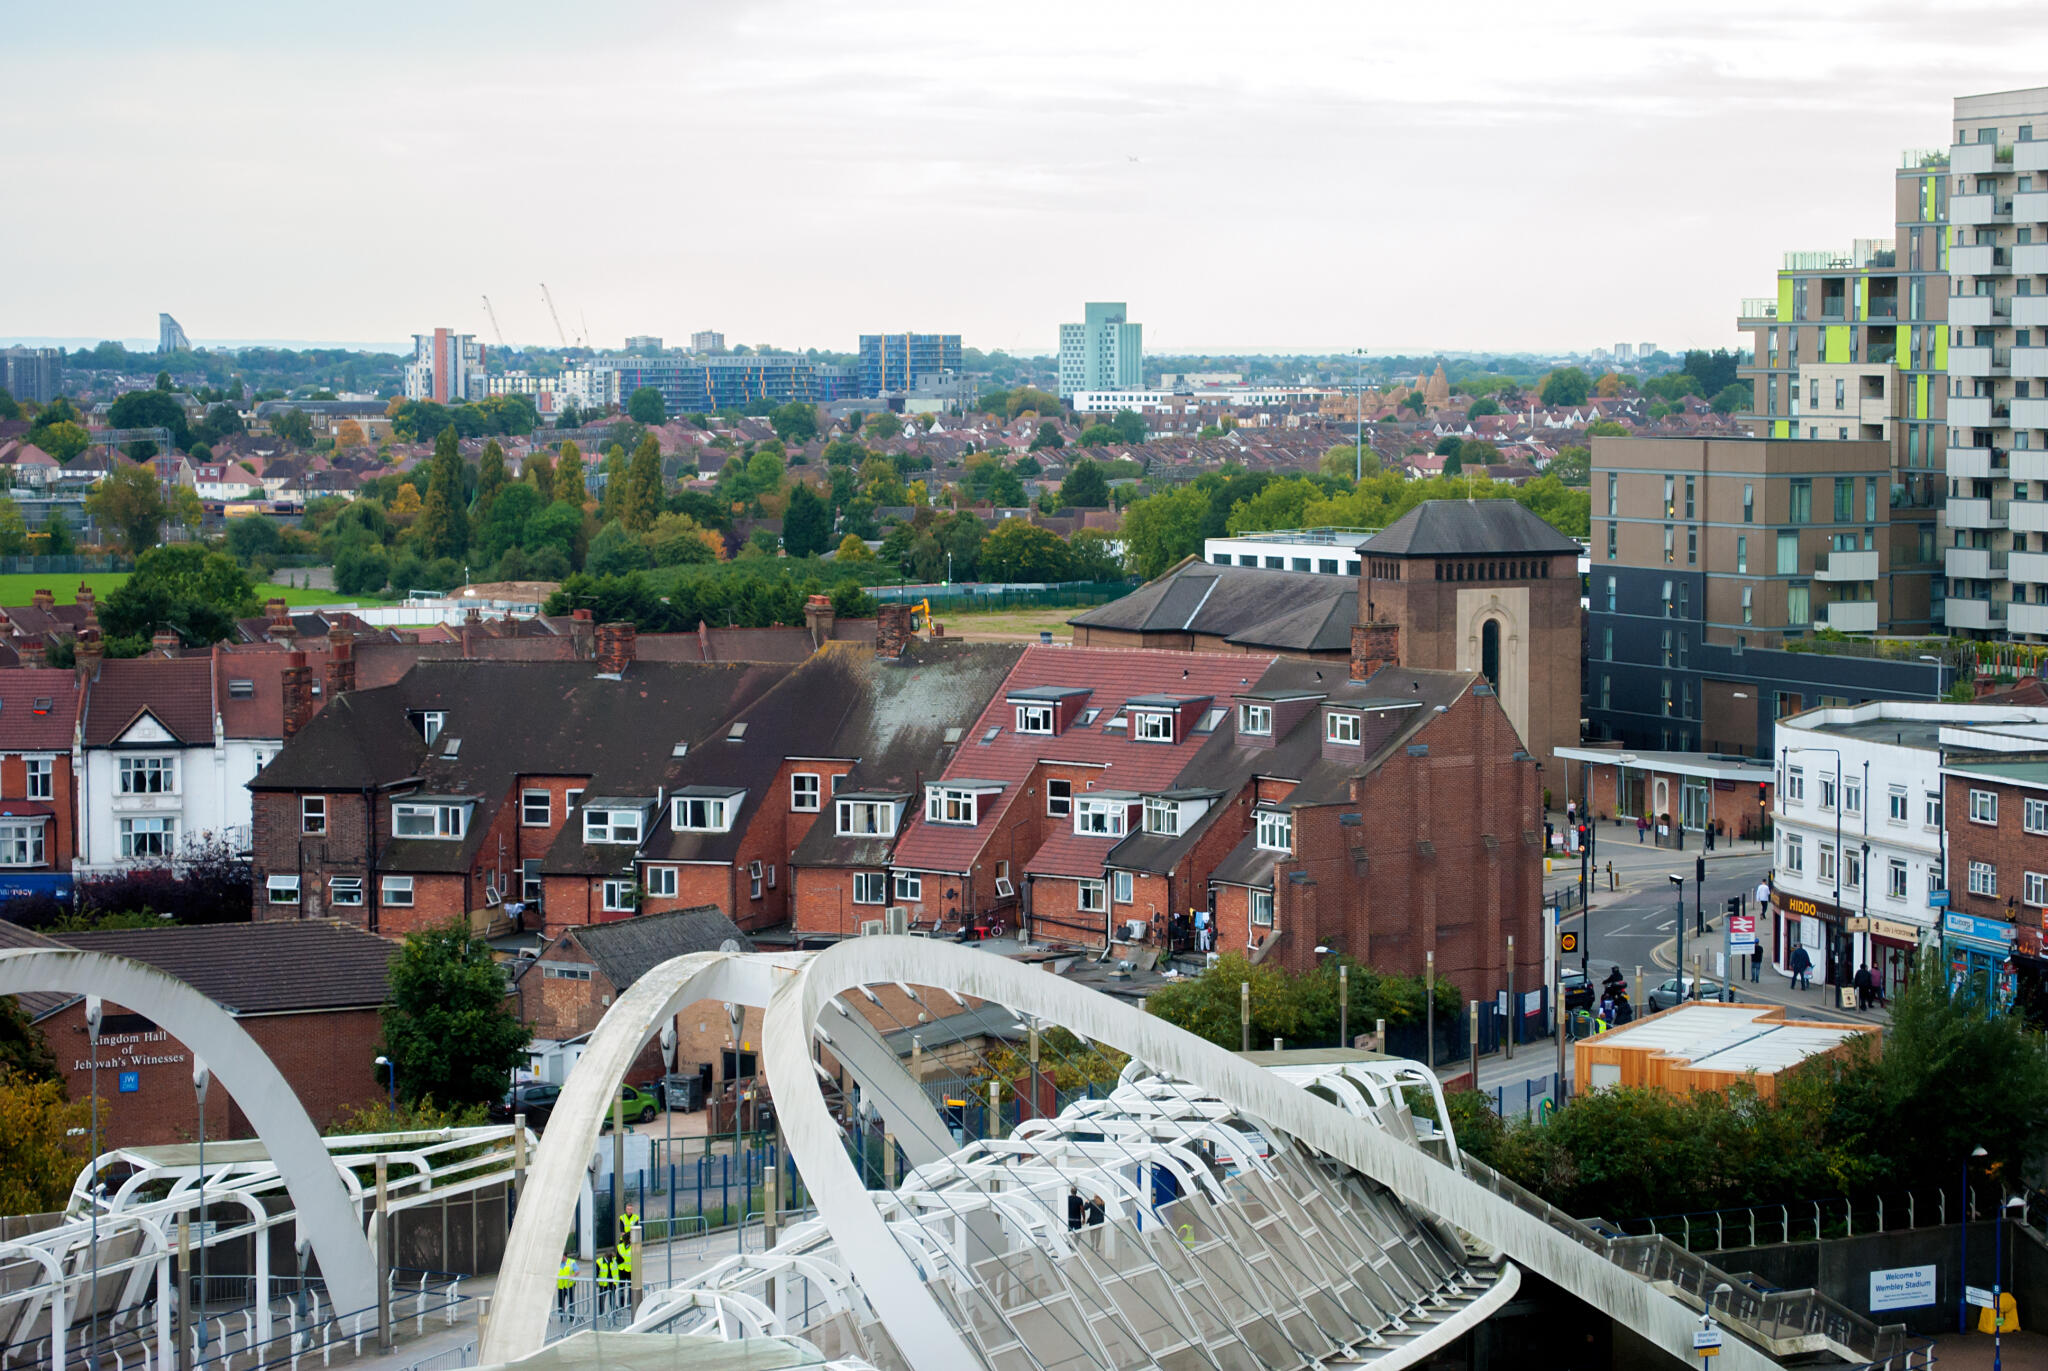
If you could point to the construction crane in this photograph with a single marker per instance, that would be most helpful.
(552, 315)
(494, 321)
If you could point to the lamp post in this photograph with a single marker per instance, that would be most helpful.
(93, 1010)
(1939, 693)
(1678, 889)
(1963, 1283)
(1831, 974)
(1998, 1284)
(390, 1080)
(201, 1077)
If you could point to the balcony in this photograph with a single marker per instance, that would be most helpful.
(2029, 516)
(1979, 463)
(2032, 413)
(1847, 566)
(2028, 464)
(1979, 514)
(1978, 614)
(2030, 361)
(1973, 563)
(1974, 159)
(1977, 411)
(1979, 361)
(2030, 206)
(1980, 311)
(2029, 259)
(1978, 259)
(1758, 307)
(1980, 209)
(2028, 620)
(2031, 567)
(1852, 616)
(2030, 311)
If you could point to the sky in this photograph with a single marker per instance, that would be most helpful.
(1314, 175)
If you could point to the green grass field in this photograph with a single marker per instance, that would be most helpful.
(20, 589)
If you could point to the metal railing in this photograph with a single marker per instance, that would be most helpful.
(1810, 1220)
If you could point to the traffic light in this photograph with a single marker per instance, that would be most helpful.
(1763, 796)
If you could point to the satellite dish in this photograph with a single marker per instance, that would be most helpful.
(730, 945)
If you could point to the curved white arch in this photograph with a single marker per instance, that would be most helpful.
(245, 1072)
(888, 1276)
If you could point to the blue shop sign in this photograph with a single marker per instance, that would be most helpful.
(1980, 934)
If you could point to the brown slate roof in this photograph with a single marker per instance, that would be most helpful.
(266, 968)
(177, 691)
(36, 1004)
(38, 709)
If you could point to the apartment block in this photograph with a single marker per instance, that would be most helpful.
(896, 361)
(446, 367)
(32, 373)
(170, 335)
(702, 384)
(707, 340)
(1104, 352)
(1713, 558)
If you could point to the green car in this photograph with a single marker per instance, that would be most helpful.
(638, 1106)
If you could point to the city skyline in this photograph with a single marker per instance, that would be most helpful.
(1005, 189)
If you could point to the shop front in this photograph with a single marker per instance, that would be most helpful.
(1819, 927)
(1980, 957)
(1887, 947)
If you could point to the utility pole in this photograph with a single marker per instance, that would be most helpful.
(1514, 1010)
(1429, 1003)
(1679, 882)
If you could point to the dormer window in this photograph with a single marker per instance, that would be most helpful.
(1034, 718)
(946, 804)
(429, 820)
(1275, 831)
(1151, 726)
(1162, 817)
(1095, 817)
(612, 825)
(699, 811)
(1341, 728)
(1256, 720)
(429, 722)
(866, 818)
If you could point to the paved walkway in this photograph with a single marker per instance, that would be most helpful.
(2024, 1351)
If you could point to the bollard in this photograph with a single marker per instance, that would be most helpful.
(1379, 1036)
(1278, 1045)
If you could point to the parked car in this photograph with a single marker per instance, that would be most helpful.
(1667, 994)
(637, 1104)
(535, 1099)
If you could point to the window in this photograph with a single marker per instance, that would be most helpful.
(21, 844)
(1256, 719)
(1162, 817)
(611, 825)
(703, 814)
(1613, 550)
(1275, 830)
(345, 890)
(661, 880)
(1034, 718)
(1610, 587)
(550, 971)
(536, 808)
(1827, 791)
(1094, 898)
(1983, 807)
(1897, 801)
(1749, 504)
(1799, 604)
(39, 778)
(2034, 889)
(1895, 878)
(241, 688)
(149, 775)
(618, 896)
(1852, 869)
(1749, 604)
(1059, 798)
(398, 891)
(1826, 870)
(870, 887)
(1262, 909)
(1788, 554)
(1120, 887)
(804, 791)
(1152, 726)
(1742, 553)
(282, 889)
(1100, 818)
(1795, 785)
(1689, 496)
(1669, 508)
(754, 882)
(946, 805)
(1933, 810)
(1341, 728)
(1795, 856)
(312, 814)
(428, 821)
(1669, 555)
(1692, 546)
(909, 888)
(152, 837)
(1607, 644)
(1802, 499)
(430, 723)
(1613, 495)
(866, 818)
(2035, 816)
(1983, 878)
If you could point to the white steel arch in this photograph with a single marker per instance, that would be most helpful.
(246, 1073)
(890, 1278)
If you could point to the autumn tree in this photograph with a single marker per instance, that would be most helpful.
(37, 1163)
(349, 434)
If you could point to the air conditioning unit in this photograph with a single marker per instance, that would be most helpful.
(1135, 930)
(871, 928)
(897, 918)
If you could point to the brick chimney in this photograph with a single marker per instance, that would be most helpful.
(165, 641)
(32, 651)
(892, 630)
(341, 667)
(44, 600)
(616, 644)
(819, 617)
(85, 596)
(86, 652)
(298, 693)
(277, 611)
(1374, 646)
(582, 632)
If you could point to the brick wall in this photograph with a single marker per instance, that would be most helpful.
(60, 835)
(2006, 846)
(822, 900)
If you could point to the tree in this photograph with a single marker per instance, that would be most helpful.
(347, 434)
(568, 487)
(1447, 445)
(1031, 400)
(1474, 452)
(442, 530)
(131, 502)
(852, 549)
(1715, 371)
(405, 502)
(679, 540)
(615, 552)
(490, 479)
(1566, 387)
(1414, 402)
(37, 1162)
(807, 523)
(252, 536)
(163, 380)
(1479, 409)
(150, 409)
(796, 423)
(1341, 462)
(1160, 530)
(23, 1048)
(448, 1025)
(644, 406)
(1027, 466)
(1573, 465)
(13, 529)
(294, 427)
(641, 500)
(882, 425)
(1092, 556)
(1608, 386)
(1454, 461)
(63, 440)
(1020, 551)
(1606, 428)
(10, 408)
(187, 587)
(361, 569)
(1731, 397)
(1048, 437)
(1085, 487)
(223, 421)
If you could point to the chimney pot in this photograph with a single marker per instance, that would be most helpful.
(44, 599)
(1373, 646)
(616, 647)
(892, 630)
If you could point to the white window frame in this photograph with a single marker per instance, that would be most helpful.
(611, 826)
(162, 833)
(546, 801)
(806, 792)
(1824, 867)
(1983, 879)
(397, 891)
(1827, 791)
(42, 777)
(449, 821)
(1852, 868)
(345, 891)
(950, 805)
(1095, 818)
(1896, 879)
(1933, 810)
(149, 775)
(1035, 718)
(1059, 797)
(881, 813)
(1984, 807)
(2034, 815)
(312, 814)
(909, 887)
(1900, 805)
(1342, 727)
(1152, 725)
(1255, 720)
(1092, 897)
(432, 721)
(22, 843)
(1795, 785)
(281, 890)
(1262, 908)
(701, 814)
(1162, 817)
(2034, 890)
(1852, 796)
(661, 881)
(870, 887)
(1274, 830)
(1794, 860)
(1122, 889)
(617, 895)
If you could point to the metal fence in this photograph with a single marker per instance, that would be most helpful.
(969, 598)
(67, 564)
(1816, 1220)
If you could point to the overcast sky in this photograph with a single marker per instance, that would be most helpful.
(1283, 175)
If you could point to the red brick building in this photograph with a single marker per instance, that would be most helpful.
(307, 992)
(1996, 811)
(39, 712)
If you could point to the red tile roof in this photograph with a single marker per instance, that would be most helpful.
(178, 691)
(27, 723)
(1112, 677)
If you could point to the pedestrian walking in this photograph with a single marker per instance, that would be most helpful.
(1077, 1212)
(1094, 1210)
(1802, 969)
(1571, 813)
(1763, 896)
(1861, 980)
(1642, 827)
(1756, 961)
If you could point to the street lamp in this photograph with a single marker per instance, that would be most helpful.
(1997, 1281)
(390, 1080)
(1939, 693)
(1963, 1281)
